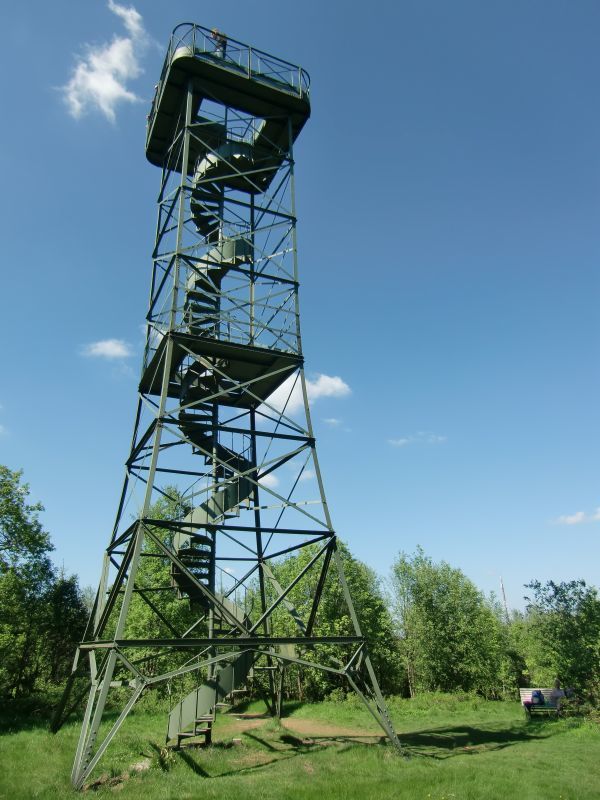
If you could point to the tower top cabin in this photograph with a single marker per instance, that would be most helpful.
(262, 100)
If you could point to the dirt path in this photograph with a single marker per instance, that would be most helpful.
(235, 724)
(312, 728)
(306, 729)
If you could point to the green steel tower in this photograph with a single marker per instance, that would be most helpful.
(222, 482)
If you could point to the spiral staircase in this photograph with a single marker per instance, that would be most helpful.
(193, 716)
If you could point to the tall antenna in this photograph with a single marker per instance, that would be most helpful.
(223, 473)
(504, 599)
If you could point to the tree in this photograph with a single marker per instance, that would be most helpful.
(451, 637)
(22, 538)
(22, 602)
(333, 619)
(63, 626)
(562, 634)
(25, 576)
(42, 613)
(160, 614)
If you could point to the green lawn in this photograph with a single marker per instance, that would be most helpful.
(456, 749)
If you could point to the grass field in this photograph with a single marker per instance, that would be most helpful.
(456, 748)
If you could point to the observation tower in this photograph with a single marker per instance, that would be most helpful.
(223, 542)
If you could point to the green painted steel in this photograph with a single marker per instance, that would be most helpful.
(242, 78)
(222, 480)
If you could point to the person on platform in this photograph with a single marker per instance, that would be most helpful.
(220, 41)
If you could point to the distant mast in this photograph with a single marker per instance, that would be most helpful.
(504, 599)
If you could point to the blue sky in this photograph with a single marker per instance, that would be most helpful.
(448, 202)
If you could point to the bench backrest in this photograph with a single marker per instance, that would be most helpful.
(526, 694)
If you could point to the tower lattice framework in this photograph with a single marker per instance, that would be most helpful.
(222, 481)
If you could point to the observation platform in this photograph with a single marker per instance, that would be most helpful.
(262, 370)
(231, 74)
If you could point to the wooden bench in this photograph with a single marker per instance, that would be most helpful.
(534, 710)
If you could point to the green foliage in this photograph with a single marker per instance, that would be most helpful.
(333, 619)
(63, 626)
(43, 615)
(40, 627)
(372, 612)
(159, 614)
(451, 637)
(22, 539)
(442, 634)
(560, 635)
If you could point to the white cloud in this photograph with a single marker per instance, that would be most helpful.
(421, 437)
(108, 348)
(269, 481)
(291, 393)
(332, 421)
(281, 397)
(132, 19)
(100, 76)
(307, 475)
(2, 430)
(578, 518)
(327, 386)
(571, 519)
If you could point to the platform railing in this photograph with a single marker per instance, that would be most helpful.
(256, 63)
(236, 55)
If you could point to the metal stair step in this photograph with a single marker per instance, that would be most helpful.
(185, 736)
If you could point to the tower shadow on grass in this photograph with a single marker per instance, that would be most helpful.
(192, 764)
(282, 748)
(432, 743)
(442, 743)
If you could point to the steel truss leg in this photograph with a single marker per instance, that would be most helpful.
(84, 763)
(381, 715)
(279, 703)
(379, 712)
